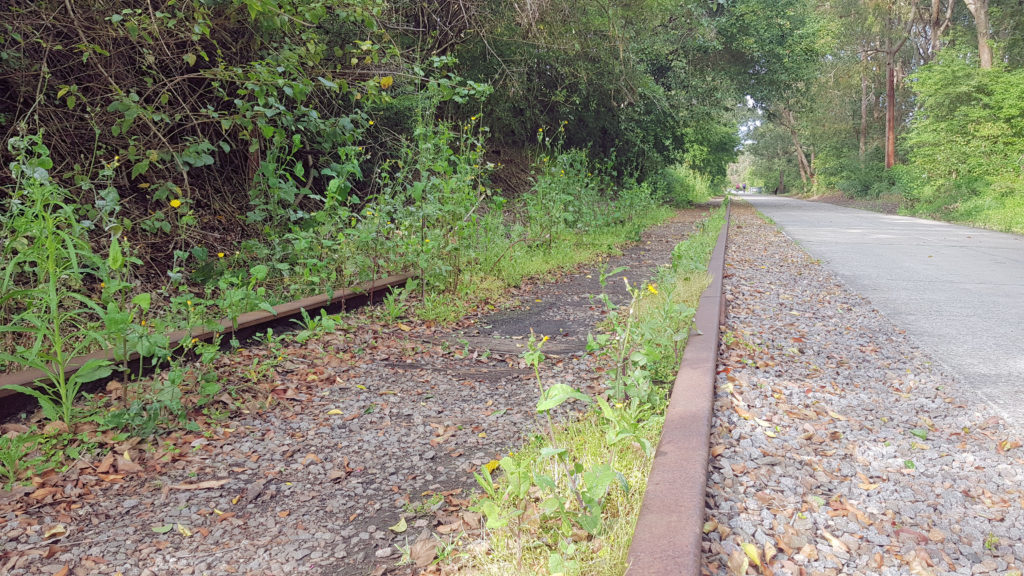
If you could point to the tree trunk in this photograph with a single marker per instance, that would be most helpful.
(940, 23)
(801, 157)
(863, 106)
(979, 8)
(890, 109)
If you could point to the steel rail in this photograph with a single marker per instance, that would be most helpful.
(359, 295)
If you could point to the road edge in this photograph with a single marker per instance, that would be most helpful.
(667, 539)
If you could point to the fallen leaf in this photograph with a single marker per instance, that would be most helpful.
(55, 531)
(716, 451)
(402, 526)
(63, 571)
(126, 466)
(184, 531)
(710, 526)
(752, 552)
(334, 412)
(738, 563)
(1007, 445)
(162, 529)
(204, 485)
(920, 564)
(283, 513)
(404, 327)
(769, 552)
(423, 551)
(835, 542)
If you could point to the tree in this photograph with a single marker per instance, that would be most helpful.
(979, 9)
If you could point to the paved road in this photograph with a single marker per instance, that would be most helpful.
(958, 291)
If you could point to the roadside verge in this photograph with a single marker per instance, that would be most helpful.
(667, 539)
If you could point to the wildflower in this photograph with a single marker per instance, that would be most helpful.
(427, 240)
(189, 302)
(540, 129)
(175, 203)
(545, 339)
(371, 122)
(143, 323)
(652, 288)
(103, 284)
(194, 340)
(220, 254)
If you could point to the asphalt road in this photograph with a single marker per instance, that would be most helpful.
(958, 291)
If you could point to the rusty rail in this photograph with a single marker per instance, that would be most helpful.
(358, 295)
(667, 540)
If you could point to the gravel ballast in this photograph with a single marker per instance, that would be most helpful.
(838, 446)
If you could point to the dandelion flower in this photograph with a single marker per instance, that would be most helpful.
(652, 288)
(175, 203)
(371, 122)
(220, 254)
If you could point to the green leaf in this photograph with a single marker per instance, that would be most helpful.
(115, 259)
(921, 433)
(163, 529)
(548, 451)
(557, 394)
(140, 168)
(142, 301)
(93, 369)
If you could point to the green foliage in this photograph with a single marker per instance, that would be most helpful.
(966, 144)
(48, 261)
(588, 475)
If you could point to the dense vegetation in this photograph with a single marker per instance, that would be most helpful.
(173, 163)
(909, 100)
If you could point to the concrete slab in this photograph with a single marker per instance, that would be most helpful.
(958, 291)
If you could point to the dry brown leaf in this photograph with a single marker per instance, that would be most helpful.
(738, 563)
(810, 551)
(55, 531)
(920, 564)
(716, 451)
(126, 466)
(423, 551)
(204, 485)
(835, 542)
(44, 493)
(64, 571)
(769, 552)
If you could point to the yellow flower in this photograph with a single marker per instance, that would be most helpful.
(175, 203)
(103, 284)
(545, 339)
(143, 323)
(220, 254)
(652, 288)
(371, 122)
(540, 129)
(189, 302)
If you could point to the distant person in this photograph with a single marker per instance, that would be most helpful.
(744, 187)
